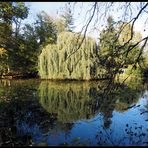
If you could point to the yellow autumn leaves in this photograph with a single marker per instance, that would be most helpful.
(2, 51)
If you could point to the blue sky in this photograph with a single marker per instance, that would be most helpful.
(80, 19)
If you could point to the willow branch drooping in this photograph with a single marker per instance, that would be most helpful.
(53, 62)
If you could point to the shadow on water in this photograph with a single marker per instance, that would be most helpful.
(37, 112)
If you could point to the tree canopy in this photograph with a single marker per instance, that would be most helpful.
(21, 45)
(22, 42)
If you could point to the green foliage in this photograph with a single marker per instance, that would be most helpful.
(23, 44)
(129, 57)
(53, 62)
(113, 58)
(145, 68)
(45, 29)
(11, 13)
(109, 56)
(72, 101)
(3, 61)
(40, 33)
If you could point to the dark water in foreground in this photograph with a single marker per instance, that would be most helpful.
(34, 112)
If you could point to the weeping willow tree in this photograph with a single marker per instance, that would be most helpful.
(55, 62)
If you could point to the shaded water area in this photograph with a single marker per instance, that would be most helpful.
(35, 112)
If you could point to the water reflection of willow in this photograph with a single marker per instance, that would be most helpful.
(73, 101)
(60, 102)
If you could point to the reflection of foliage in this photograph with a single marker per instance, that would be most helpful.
(137, 134)
(62, 104)
(72, 101)
(21, 114)
(17, 100)
(129, 95)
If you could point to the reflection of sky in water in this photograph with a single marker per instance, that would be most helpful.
(88, 131)
(129, 118)
(82, 100)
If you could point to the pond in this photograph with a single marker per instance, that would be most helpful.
(47, 113)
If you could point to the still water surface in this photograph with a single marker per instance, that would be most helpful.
(34, 112)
